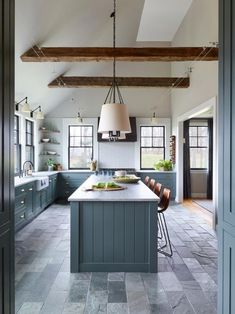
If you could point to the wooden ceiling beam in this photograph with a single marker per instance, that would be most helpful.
(86, 81)
(81, 54)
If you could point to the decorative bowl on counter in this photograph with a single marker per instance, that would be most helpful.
(126, 179)
(120, 173)
(45, 140)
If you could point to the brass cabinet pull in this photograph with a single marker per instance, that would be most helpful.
(22, 216)
(67, 183)
(31, 189)
(22, 190)
(50, 181)
(22, 202)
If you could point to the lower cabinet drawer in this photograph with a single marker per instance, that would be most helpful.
(21, 202)
(20, 219)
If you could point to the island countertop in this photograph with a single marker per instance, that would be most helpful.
(137, 192)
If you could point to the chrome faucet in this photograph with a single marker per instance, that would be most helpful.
(24, 171)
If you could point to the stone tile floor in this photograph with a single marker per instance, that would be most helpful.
(186, 283)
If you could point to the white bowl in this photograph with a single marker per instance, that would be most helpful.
(51, 153)
(120, 173)
(45, 140)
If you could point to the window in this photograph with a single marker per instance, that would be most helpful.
(198, 144)
(152, 145)
(80, 146)
(17, 146)
(29, 147)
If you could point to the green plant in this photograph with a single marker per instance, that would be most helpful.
(50, 162)
(166, 165)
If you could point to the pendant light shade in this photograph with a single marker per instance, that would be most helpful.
(25, 107)
(38, 115)
(114, 117)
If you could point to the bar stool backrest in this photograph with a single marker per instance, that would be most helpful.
(151, 184)
(165, 200)
(158, 189)
(146, 180)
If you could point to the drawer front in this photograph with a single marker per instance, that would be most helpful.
(20, 219)
(71, 183)
(24, 188)
(21, 202)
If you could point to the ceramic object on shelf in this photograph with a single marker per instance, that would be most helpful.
(51, 153)
(45, 140)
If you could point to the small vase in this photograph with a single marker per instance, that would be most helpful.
(50, 168)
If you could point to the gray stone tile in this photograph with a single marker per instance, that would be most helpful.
(54, 303)
(30, 307)
(162, 308)
(137, 302)
(205, 281)
(97, 302)
(78, 291)
(179, 303)
(182, 272)
(73, 308)
(116, 292)
(170, 282)
(200, 303)
(99, 281)
(193, 265)
(117, 308)
(116, 276)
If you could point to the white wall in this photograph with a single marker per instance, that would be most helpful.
(199, 28)
(108, 155)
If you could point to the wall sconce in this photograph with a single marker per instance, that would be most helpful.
(154, 118)
(79, 118)
(25, 107)
(39, 115)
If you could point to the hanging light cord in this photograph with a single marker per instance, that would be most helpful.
(111, 96)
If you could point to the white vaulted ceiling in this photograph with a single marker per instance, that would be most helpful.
(161, 19)
(86, 23)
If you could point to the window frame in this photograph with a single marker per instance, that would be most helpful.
(198, 147)
(92, 145)
(17, 144)
(32, 138)
(162, 147)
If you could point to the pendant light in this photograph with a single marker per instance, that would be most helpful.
(154, 118)
(79, 118)
(114, 118)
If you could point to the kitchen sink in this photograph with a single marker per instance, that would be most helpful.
(41, 183)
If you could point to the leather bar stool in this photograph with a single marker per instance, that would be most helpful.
(146, 180)
(165, 248)
(151, 184)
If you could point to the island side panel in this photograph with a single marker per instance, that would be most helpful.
(114, 236)
(153, 232)
(74, 237)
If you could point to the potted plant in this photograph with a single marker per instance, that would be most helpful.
(50, 164)
(164, 165)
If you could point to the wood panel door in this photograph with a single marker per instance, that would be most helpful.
(226, 208)
(6, 156)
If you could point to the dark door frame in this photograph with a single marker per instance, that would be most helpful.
(7, 234)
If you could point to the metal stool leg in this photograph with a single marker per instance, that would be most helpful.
(160, 250)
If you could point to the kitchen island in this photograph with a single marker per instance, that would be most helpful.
(113, 231)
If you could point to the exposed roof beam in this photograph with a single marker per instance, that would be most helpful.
(78, 54)
(86, 81)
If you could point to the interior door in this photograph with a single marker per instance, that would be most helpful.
(226, 206)
(6, 157)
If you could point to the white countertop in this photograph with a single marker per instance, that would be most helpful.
(137, 192)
